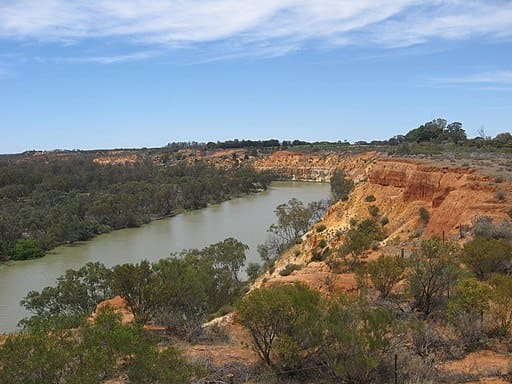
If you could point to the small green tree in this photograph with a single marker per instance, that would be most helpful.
(501, 305)
(424, 215)
(340, 185)
(373, 210)
(26, 249)
(355, 338)
(466, 308)
(139, 285)
(37, 356)
(433, 270)
(75, 296)
(358, 240)
(283, 322)
(293, 220)
(486, 256)
(228, 255)
(93, 353)
(385, 272)
(253, 270)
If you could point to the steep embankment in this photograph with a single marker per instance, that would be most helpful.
(313, 167)
(399, 187)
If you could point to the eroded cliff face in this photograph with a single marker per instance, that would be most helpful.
(313, 167)
(454, 197)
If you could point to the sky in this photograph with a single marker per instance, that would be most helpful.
(138, 73)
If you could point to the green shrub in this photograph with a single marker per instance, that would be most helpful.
(289, 269)
(485, 228)
(270, 316)
(501, 195)
(293, 327)
(487, 256)
(501, 308)
(340, 185)
(26, 249)
(433, 269)
(370, 198)
(316, 255)
(466, 307)
(424, 215)
(386, 272)
(384, 221)
(373, 210)
(320, 228)
(322, 243)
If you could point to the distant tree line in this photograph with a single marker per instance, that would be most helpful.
(437, 131)
(44, 204)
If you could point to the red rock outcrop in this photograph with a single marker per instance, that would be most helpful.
(453, 196)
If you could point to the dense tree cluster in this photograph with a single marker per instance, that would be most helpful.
(44, 204)
(96, 352)
(180, 291)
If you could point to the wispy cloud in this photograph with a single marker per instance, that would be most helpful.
(494, 81)
(108, 59)
(495, 77)
(264, 27)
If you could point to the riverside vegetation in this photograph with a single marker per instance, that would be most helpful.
(438, 303)
(409, 314)
(44, 204)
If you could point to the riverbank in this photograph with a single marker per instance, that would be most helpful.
(246, 219)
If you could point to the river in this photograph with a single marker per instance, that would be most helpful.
(246, 219)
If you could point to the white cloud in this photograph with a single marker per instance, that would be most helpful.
(108, 59)
(257, 27)
(494, 77)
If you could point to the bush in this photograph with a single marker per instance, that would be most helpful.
(433, 270)
(26, 249)
(384, 221)
(370, 198)
(485, 228)
(320, 228)
(253, 270)
(284, 324)
(424, 215)
(358, 240)
(322, 243)
(341, 186)
(501, 195)
(486, 256)
(466, 308)
(294, 328)
(289, 269)
(316, 255)
(501, 305)
(385, 273)
(373, 210)
(95, 352)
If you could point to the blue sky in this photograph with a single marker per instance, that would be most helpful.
(120, 73)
